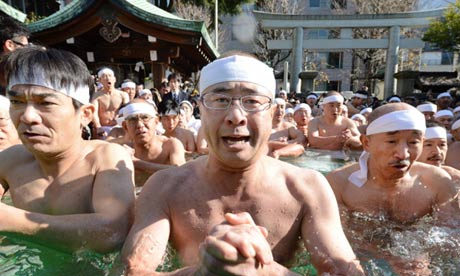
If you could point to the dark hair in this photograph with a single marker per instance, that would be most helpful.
(167, 106)
(11, 28)
(62, 69)
(172, 76)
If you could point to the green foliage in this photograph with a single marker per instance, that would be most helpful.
(231, 7)
(32, 17)
(445, 32)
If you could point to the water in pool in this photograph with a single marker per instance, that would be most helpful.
(384, 248)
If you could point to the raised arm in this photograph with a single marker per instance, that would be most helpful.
(102, 230)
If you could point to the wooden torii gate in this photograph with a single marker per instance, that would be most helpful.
(346, 23)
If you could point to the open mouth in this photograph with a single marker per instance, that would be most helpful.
(236, 140)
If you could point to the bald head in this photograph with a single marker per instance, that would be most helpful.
(388, 108)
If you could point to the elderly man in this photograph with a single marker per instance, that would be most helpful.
(8, 134)
(67, 192)
(245, 209)
(435, 150)
(428, 110)
(283, 131)
(129, 88)
(388, 181)
(107, 102)
(150, 152)
(332, 131)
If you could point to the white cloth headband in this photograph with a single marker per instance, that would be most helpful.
(435, 133)
(333, 99)
(457, 109)
(289, 111)
(443, 113)
(366, 110)
(444, 94)
(455, 125)
(145, 91)
(358, 116)
(4, 103)
(107, 71)
(302, 106)
(279, 101)
(187, 103)
(80, 93)
(170, 113)
(238, 68)
(360, 176)
(361, 96)
(128, 84)
(394, 99)
(397, 120)
(427, 107)
(311, 96)
(138, 108)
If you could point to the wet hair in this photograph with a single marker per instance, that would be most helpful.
(11, 28)
(167, 106)
(59, 68)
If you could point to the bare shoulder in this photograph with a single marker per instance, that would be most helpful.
(13, 157)
(338, 178)
(432, 176)
(97, 95)
(105, 153)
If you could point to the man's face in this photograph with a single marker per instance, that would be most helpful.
(302, 117)
(393, 153)
(8, 134)
(130, 91)
(174, 84)
(332, 110)
(283, 96)
(140, 127)
(187, 110)
(444, 102)
(108, 80)
(445, 121)
(434, 151)
(279, 112)
(15, 43)
(169, 122)
(46, 120)
(429, 116)
(311, 102)
(146, 96)
(456, 134)
(237, 137)
(358, 101)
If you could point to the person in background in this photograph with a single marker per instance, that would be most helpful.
(8, 134)
(428, 109)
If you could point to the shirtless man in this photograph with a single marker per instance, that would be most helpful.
(8, 134)
(283, 131)
(332, 131)
(453, 152)
(311, 101)
(357, 102)
(150, 152)
(435, 150)
(428, 109)
(302, 116)
(169, 115)
(202, 201)
(107, 102)
(67, 193)
(129, 88)
(388, 180)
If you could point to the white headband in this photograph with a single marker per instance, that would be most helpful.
(145, 91)
(455, 125)
(107, 71)
(442, 113)
(397, 120)
(358, 116)
(302, 106)
(428, 107)
(333, 99)
(4, 103)
(361, 96)
(311, 96)
(237, 68)
(366, 110)
(457, 109)
(138, 108)
(435, 133)
(187, 103)
(444, 94)
(360, 176)
(283, 92)
(80, 93)
(279, 101)
(170, 112)
(128, 84)
(289, 111)
(394, 99)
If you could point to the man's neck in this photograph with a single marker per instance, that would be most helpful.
(331, 119)
(108, 90)
(277, 124)
(54, 164)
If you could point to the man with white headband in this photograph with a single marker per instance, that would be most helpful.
(107, 102)
(435, 150)
(359, 119)
(169, 115)
(151, 152)
(311, 100)
(443, 101)
(302, 116)
(428, 110)
(357, 102)
(389, 185)
(283, 131)
(289, 116)
(8, 134)
(392, 143)
(227, 202)
(331, 130)
(444, 117)
(67, 192)
(129, 87)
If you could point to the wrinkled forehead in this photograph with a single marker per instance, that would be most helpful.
(238, 87)
(409, 133)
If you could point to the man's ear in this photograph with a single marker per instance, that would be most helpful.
(86, 114)
(364, 141)
(8, 46)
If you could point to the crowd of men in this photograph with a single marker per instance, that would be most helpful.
(235, 210)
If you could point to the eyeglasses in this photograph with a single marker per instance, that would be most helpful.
(249, 103)
(4, 121)
(19, 43)
(133, 119)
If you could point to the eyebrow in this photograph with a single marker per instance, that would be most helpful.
(226, 89)
(13, 93)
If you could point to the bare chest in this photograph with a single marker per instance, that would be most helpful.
(329, 130)
(110, 102)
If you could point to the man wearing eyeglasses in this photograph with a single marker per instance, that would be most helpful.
(237, 211)
(150, 152)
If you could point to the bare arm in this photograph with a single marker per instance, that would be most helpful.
(323, 142)
(96, 121)
(453, 155)
(280, 149)
(102, 230)
(177, 152)
(296, 136)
